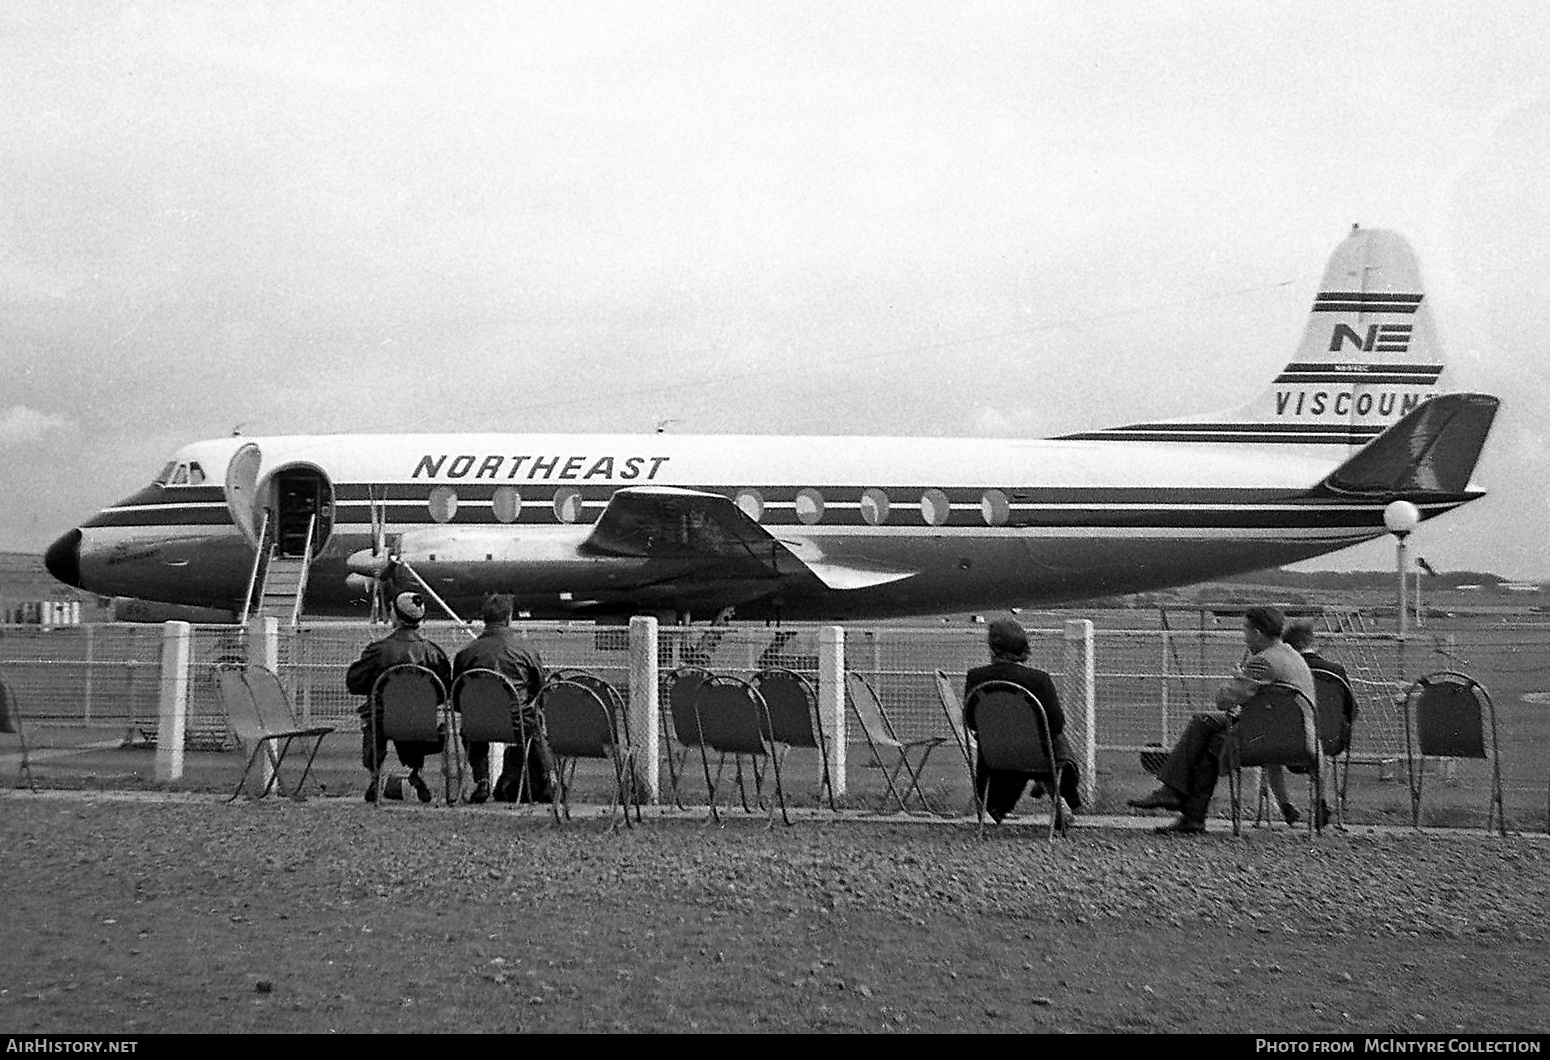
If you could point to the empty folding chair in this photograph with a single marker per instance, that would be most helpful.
(1445, 717)
(679, 688)
(1013, 736)
(11, 723)
(611, 697)
(880, 736)
(1275, 727)
(489, 710)
(953, 711)
(411, 699)
(794, 722)
(577, 723)
(733, 719)
(261, 717)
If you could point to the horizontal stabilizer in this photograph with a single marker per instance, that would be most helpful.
(1432, 450)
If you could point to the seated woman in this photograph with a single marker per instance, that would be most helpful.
(1009, 653)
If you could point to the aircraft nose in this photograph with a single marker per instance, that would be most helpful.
(63, 558)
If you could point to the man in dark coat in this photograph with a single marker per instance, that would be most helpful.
(405, 644)
(1009, 653)
(502, 649)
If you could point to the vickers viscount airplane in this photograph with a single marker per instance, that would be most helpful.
(825, 527)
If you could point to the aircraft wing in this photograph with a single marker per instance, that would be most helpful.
(705, 537)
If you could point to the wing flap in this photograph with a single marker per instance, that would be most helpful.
(711, 534)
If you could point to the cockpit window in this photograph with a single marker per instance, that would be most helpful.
(196, 474)
(180, 476)
(166, 474)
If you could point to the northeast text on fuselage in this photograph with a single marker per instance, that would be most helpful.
(529, 468)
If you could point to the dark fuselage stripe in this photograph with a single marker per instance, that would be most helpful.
(1195, 513)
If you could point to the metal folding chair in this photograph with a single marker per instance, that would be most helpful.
(1275, 727)
(794, 722)
(412, 699)
(1336, 707)
(11, 723)
(260, 716)
(679, 687)
(606, 691)
(1013, 737)
(733, 719)
(1445, 717)
(953, 711)
(880, 736)
(489, 710)
(577, 723)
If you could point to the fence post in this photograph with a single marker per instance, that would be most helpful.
(1079, 699)
(831, 700)
(644, 710)
(172, 719)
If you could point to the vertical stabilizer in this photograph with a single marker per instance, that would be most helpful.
(1368, 357)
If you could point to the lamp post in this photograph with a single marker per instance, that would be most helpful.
(1401, 517)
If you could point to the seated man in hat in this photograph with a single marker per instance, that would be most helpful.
(1009, 652)
(502, 649)
(406, 644)
(1189, 775)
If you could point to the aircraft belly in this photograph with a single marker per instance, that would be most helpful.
(957, 574)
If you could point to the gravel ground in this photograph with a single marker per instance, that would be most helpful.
(187, 915)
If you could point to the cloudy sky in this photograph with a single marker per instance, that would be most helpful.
(892, 218)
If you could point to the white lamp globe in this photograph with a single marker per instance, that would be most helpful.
(1401, 517)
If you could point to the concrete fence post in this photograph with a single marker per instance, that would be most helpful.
(172, 717)
(831, 700)
(1079, 698)
(644, 712)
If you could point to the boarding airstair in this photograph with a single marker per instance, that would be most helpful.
(278, 584)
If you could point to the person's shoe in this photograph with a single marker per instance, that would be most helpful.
(421, 788)
(1183, 826)
(1164, 798)
(1290, 813)
(481, 793)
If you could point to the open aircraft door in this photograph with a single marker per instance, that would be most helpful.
(300, 496)
(242, 491)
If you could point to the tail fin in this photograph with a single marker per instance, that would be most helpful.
(1368, 357)
(1430, 453)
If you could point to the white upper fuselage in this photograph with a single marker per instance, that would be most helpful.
(1023, 520)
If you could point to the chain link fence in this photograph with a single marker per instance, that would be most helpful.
(1147, 682)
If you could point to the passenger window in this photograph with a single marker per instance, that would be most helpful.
(874, 507)
(809, 506)
(507, 503)
(751, 502)
(934, 508)
(443, 504)
(995, 509)
(567, 504)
